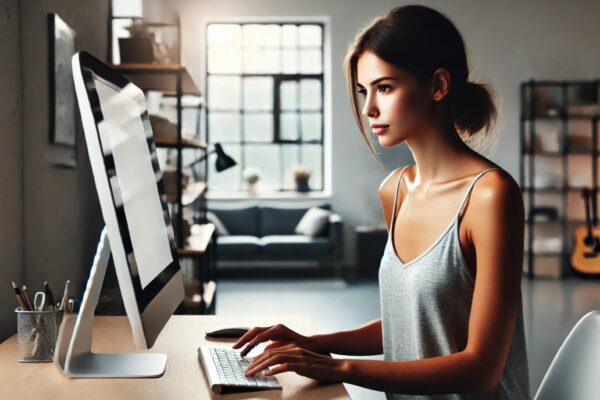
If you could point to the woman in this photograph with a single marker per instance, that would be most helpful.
(452, 324)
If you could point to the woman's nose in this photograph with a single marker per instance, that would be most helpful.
(369, 109)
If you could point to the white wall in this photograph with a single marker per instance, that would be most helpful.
(11, 231)
(509, 42)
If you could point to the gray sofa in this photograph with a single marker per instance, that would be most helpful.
(260, 232)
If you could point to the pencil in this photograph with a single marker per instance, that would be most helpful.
(19, 298)
(49, 296)
(27, 298)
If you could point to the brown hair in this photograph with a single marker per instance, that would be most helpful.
(420, 40)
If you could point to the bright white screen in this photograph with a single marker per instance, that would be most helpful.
(135, 186)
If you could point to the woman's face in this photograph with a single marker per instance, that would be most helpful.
(395, 103)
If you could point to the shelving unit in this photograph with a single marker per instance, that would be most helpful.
(173, 80)
(558, 158)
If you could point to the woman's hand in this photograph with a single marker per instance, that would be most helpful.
(304, 362)
(280, 335)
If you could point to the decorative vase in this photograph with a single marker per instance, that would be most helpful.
(302, 184)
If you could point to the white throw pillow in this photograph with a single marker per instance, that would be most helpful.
(219, 225)
(313, 222)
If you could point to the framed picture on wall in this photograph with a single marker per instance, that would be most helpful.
(62, 125)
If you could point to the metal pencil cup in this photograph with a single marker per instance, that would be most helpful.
(36, 334)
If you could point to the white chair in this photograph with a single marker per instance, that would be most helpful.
(574, 374)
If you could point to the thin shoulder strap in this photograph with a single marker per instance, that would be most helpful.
(471, 188)
(396, 198)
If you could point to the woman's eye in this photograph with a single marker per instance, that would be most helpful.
(362, 92)
(383, 88)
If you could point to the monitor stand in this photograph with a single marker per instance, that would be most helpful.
(73, 355)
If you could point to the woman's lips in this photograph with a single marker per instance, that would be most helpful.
(379, 129)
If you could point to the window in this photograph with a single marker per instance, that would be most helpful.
(265, 102)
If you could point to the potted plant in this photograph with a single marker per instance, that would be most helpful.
(139, 46)
(251, 176)
(301, 176)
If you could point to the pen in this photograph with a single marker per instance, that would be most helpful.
(49, 296)
(27, 298)
(65, 298)
(19, 298)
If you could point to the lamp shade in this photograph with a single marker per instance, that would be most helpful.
(223, 160)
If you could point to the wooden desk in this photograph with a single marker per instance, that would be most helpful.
(183, 378)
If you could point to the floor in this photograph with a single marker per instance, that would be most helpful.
(550, 310)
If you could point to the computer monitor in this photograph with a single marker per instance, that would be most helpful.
(138, 231)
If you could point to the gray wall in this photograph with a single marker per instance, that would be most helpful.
(61, 212)
(509, 42)
(11, 189)
(50, 217)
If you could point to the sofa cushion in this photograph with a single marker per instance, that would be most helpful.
(282, 220)
(294, 244)
(238, 244)
(220, 227)
(239, 221)
(314, 222)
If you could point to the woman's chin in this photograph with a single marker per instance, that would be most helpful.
(387, 141)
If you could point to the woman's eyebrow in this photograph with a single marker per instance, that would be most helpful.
(376, 81)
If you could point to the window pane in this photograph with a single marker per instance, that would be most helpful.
(291, 158)
(224, 92)
(258, 127)
(289, 36)
(258, 94)
(261, 60)
(288, 126)
(267, 159)
(310, 94)
(224, 127)
(312, 158)
(289, 61)
(310, 61)
(288, 93)
(267, 35)
(310, 35)
(311, 126)
(127, 8)
(224, 35)
(230, 178)
(224, 60)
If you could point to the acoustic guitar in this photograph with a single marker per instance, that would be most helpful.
(585, 256)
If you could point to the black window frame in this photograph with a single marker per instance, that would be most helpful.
(278, 78)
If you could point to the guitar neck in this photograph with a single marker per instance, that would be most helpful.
(588, 221)
(594, 201)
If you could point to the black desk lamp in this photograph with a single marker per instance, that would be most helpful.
(223, 160)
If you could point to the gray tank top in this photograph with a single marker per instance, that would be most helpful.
(425, 307)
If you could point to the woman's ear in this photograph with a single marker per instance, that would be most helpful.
(441, 81)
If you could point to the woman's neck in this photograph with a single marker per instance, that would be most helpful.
(438, 155)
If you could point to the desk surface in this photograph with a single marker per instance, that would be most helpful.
(183, 378)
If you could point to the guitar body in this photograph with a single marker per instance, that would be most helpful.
(584, 256)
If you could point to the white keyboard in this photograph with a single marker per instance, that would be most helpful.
(225, 368)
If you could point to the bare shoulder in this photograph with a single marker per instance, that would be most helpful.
(497, 191)
(388, 185)
(386, 193)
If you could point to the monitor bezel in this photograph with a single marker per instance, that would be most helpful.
(90, 66)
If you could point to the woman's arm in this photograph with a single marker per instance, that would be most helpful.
(362, 341)
(495, 226)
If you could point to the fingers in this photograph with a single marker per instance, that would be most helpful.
(298, 368)
(288, 348)
(274, 360)
(272, 333)
(275, 345)
(248, 336)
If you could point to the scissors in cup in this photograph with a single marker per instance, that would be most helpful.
(39, 305)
